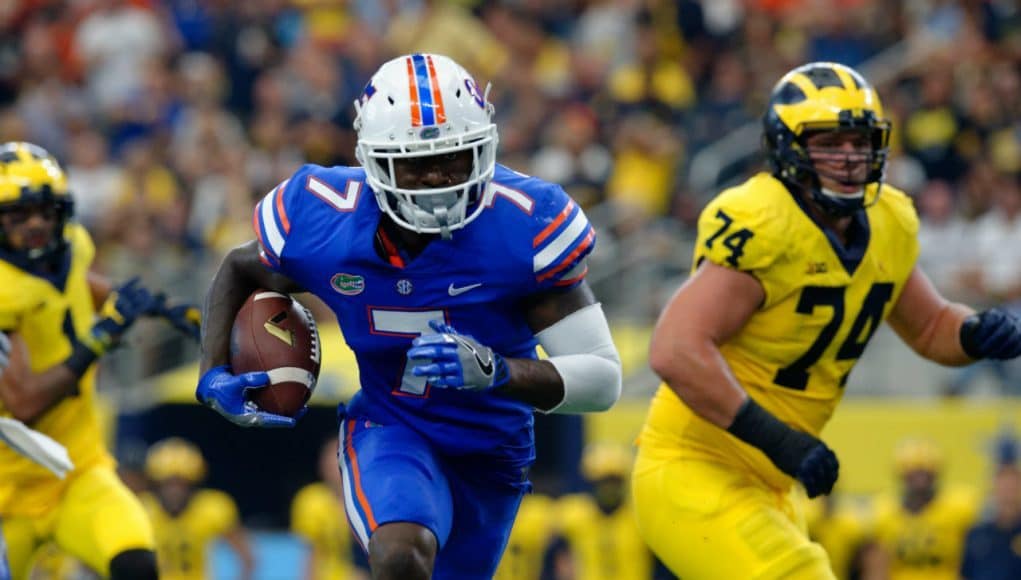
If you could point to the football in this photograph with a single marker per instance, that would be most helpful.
(274, 333)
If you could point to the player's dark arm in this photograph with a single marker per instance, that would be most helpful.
(537, 382)
(240, 273)
(28, 395)
(928, 323)
(572, 329)
(684, 350)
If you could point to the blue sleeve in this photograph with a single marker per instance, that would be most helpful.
(562, 239)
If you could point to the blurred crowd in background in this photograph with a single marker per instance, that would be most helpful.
(172, 117)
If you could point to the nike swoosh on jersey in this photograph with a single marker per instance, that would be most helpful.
(454, 291)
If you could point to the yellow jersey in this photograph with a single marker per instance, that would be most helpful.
(823, 301)
(183, 541)
(47, 314)
(318, 518)
(929, 544)
(529, 538)
(604, 546)
(841, 533)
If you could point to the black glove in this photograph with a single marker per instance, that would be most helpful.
(796, 453)
(993, 333)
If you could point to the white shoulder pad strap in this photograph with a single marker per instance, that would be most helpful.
(582, 350)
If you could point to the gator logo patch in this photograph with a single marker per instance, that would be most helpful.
(348, 284)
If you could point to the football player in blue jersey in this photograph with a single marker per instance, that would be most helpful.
(445, 271)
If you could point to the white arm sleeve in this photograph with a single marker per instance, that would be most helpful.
(581, 349)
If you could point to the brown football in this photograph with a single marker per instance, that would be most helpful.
(274, 333)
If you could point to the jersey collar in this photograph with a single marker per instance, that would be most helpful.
(858, 234)
(57, 276)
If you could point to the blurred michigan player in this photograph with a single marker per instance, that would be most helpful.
(187, 519)
(32, 445)
(48, 303)
(794, 271)
(599, 527)
(319, 519)
(445, 270)
(923, 527)
(529, 539)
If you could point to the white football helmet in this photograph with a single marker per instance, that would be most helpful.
(422, 105)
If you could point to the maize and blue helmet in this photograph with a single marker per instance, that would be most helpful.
(822, 97)
(30, 176)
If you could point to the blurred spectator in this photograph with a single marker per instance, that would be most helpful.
(995, 266)
(723, 107)
(573, 156)
(92, 177)
(598, 529)
(991, 551)
(604, 32)
(922, 530)
(114, 41)
(942, 236)
(148, 192)
(842, 533)
(529, 538)
(931, 130)
(644, 169)
(448, 29)
(654, 83)
(51, 107)
(318, 518)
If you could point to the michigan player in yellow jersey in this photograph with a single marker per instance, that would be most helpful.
(319, 519)
(48, 302)
(29, 443)
(529, 538)
(599, 528)
(794, 270)
(923, 530)
(843, 533)
(187, 519)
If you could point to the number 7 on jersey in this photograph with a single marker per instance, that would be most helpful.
(405, 323)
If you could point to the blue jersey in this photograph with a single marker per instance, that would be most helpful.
(319, 227)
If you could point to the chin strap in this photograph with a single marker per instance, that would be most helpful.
(440, 213)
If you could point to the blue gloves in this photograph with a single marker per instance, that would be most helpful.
(121, 309)
(993, 333)
(224, 392)
(451, 359)
(5, 352)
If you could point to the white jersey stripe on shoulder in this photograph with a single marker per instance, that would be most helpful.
(562, 242)
(269, 223)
